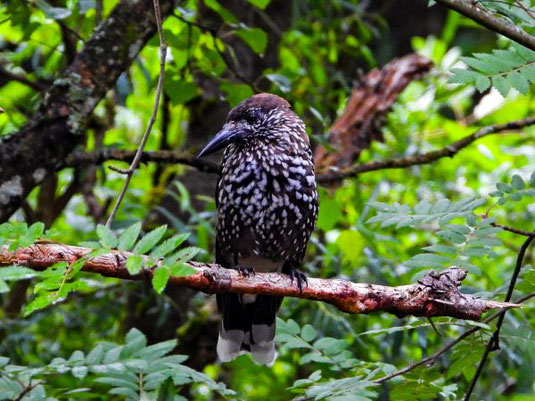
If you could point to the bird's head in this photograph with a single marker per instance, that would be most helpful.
(260, 116)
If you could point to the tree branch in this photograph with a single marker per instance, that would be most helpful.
(428, 361)
(424, 158)
(35, 85)
(81, 158)
(501, 26)
(437, 294)
(494, 342)
(77, 159)
(513, 230)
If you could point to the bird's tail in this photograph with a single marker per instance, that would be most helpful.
(248, 324)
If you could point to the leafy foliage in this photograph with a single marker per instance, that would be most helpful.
(442, 211)
(134, 370)
(59, 280)
(515, 190)
(219, 54)
(503, 69)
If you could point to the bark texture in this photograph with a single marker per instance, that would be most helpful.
(28, 156)
(437, 294)
(361, 121)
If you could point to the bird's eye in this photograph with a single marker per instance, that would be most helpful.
(250, 118)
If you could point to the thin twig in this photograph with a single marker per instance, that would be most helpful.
(424, 158)
(35, 85)
(513, 230)
(494, 342)
(77, 159)
(26, 390)
(523, 7)
(432, 358)
(99, 157)
(159, 88)
(498, 25)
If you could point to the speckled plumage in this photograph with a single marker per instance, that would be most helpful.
(266, 196)
(267, 205)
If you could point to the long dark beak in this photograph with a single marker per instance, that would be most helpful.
(223, 138)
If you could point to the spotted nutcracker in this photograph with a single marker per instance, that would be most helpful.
(267, 205)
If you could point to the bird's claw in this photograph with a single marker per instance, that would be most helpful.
(300, 279)
(246, 271)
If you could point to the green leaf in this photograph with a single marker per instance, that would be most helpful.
(449, 250)
(184, 255)
(129, 236)
(459, 228)
(15, 273)
(504, 187)
(292, 342)
(288, 327)
(134, 264)
(40, 302)
(428, 260)
(308, 333)
(178, 90)
(116, 382)
(3, 287)
(501, 84)
(236, 92)
(423, 207)
(79, 372)
(156, 351)
(260, 3)
(281, 81)
(146, 243)
(504, 68)
(106, 237)
(482, 83)
(441, 206)
(329, 214)
(517, 182)
(182, 270)
(35, 231)
(128, 392)
(256, 38)
(160, 278)
(519, 82)
(350, 243)
(476, 251)
(57, 13)
(462, 76)
(166, 391)
(226, 15)
(95, 356)
(169, 245)
(452, 236)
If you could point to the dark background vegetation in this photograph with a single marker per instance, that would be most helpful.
(312, 53)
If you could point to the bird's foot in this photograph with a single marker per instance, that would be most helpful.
(246, 271)
(300, 279)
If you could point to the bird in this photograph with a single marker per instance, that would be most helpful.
(267, 207)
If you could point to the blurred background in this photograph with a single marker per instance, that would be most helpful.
(312, 53)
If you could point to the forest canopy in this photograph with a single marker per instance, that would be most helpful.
(421, 271)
